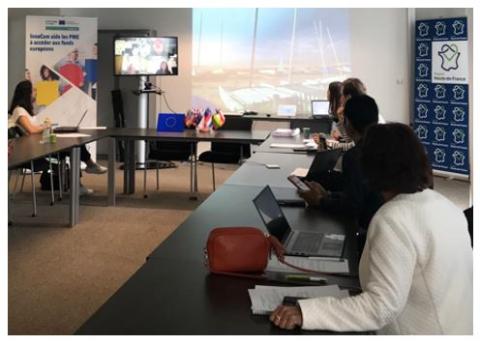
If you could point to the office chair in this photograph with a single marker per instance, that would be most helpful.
(316, 126)
(228, 153)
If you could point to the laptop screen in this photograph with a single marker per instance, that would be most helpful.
(320, 107)
(271, 213)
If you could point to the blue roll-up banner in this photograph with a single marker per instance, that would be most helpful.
(441, 92)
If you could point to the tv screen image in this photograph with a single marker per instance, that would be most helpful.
(146, 55)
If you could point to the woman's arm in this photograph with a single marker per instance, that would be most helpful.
(392, 259)
(30, 127)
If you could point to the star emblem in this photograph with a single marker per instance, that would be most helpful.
(458, 114)
(458, 92)
(422, 91)
(439, 155)
(440, 112)
(440, 91)
(458, 28)
(440, 28)
(422, 111)
(458, 158)
(440, 134)
(423, 30)
(458, 136)
(422, 50)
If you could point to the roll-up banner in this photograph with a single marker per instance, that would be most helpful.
(61, 62)
(441, 93)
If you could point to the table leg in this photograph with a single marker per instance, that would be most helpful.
(129, 167)
(74, 185)
(112, 143)
(195, 182)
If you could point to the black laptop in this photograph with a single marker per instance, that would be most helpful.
(320, 108)
(70, 129)
(298, 243)
(324, 161)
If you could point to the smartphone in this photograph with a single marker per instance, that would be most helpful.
(298, 183)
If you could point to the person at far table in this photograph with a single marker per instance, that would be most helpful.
(21, 113)
(416, 270)
(356, 199)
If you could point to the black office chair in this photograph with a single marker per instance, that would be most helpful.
(228, 153)
(119, 118)
(469, 215)
(170, 151)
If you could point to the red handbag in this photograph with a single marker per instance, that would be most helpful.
(244, 251)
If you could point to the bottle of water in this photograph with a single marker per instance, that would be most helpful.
(46, 132)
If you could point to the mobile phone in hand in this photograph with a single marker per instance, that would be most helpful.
(298, 183)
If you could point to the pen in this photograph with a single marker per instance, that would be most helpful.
(305, 278)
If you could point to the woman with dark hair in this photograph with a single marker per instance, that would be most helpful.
(334, 97)
(416, 270)
(22, 114)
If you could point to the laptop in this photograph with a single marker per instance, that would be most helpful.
(297, 243)
(324, 161)
(70, 129)
(320, 108)
(170, 122)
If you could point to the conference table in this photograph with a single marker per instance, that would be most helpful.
(174, 294)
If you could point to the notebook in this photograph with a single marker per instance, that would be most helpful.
(297, 243)
(70, 129)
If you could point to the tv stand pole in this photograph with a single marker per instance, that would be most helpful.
(142, 121)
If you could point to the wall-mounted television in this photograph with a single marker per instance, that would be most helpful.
(141, 56)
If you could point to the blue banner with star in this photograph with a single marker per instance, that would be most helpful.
(441, 92)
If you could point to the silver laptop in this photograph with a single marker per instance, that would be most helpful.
(70, 129)
(298, 243)
(320, 108)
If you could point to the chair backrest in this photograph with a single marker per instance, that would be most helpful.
(469, 215)
(316, 126)
(234, 123)
(118, 113)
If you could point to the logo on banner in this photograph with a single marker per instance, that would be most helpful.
(423, 30)
(458, 114)
(440, 28)
(422, 132)
(449, 55)
(422, 111)
(422, 70)
(439, 155)
(458, 136)
(458, 28)
(458, 158)
(440, 112)
(422, 50)
(440, 91)
(440, 134)
(422, 91)
(458, 92)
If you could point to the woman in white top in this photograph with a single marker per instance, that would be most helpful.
(416, 270)
(22, 114)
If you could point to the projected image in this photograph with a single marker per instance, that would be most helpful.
(258, 59)
(146, 56)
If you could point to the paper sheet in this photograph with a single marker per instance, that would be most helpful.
(300, 172)
(266, 298)
(287, 146)
(73, 135)
(328, 265)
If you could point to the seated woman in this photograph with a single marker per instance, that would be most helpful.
(21, 113)
(416, 270)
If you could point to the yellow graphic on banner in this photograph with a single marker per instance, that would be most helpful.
(47, 91)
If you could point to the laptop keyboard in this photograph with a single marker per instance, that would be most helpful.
(307, 242)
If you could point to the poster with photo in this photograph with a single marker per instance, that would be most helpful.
(61, 63)
(441, 93)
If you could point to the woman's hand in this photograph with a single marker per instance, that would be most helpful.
(314, 195)
(287, 317)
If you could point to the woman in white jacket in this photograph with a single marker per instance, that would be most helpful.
(416, 270)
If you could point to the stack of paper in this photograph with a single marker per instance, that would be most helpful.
(286, 132)
(320, 264)
(266, 298)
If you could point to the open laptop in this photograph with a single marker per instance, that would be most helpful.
(323, 162)
(70, 129)
(320, 108)
(298, 243)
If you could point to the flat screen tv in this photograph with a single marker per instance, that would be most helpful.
(141, 56)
